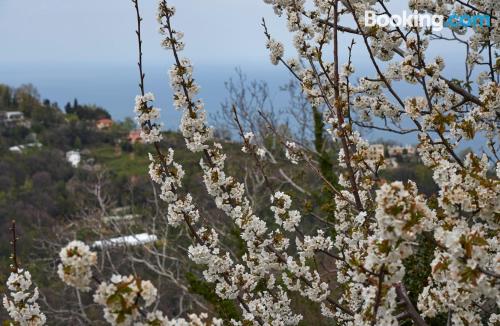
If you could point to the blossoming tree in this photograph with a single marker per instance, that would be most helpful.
(377, 224)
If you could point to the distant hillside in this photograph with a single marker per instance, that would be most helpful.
(53, 201)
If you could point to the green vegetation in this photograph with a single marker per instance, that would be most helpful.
(121, 163)
(42, 191)
(225, 309)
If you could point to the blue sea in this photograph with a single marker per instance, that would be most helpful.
(114, 88)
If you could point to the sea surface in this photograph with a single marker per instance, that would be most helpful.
(114, 88)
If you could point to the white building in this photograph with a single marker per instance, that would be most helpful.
(120, 218)
(392, 163)
(120, 214)
(411, 150)
(74, 158)
(397, 150)
(14, 118)
(375, 151)
(21, 148)
(128, 240)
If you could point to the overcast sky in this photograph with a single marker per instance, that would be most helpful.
(69, 32)
(102, 31)
(87, 49)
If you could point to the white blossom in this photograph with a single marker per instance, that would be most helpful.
(146, 117)
(276, 50)
(76, 265)
(120, 297)
(293, 152)
(21, 303)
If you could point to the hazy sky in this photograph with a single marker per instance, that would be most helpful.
(87, 49)
(102, 31)
(69, 32)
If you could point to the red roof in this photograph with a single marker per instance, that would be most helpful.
(101, 123)
(134, 136)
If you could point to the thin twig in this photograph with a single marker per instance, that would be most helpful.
(13, 242)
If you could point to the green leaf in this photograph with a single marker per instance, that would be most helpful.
(114, 298)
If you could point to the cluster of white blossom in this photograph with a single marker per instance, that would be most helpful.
(374, 252)
(76, 264)
(220, 268)
(464, 190)
(276, 51)
(124, 298)
(402, 213)
(167, 173)
(265, 250)
(363, 155)
(277, 312)
(374, 106)
(157, 319)
(460, 280)
(247, 137)
(283, 216)
(21, 302)
(146, 117)
(376, 229)
(305, 280)
(374, 246)
(172, 40)
(229, 279)
(311, 244)
(260, 261)
(377, 224)
(193, 127)
(121, 297)
(293, 152)
(250, 147)
(164, 171)
(387, 42)
(468, 189)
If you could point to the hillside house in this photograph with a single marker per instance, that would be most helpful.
(13, 118)
(134, 137)
(21, 148)
(125, 241)
(74, 158)
(375, 151)
(104, 124)
(397, 150)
